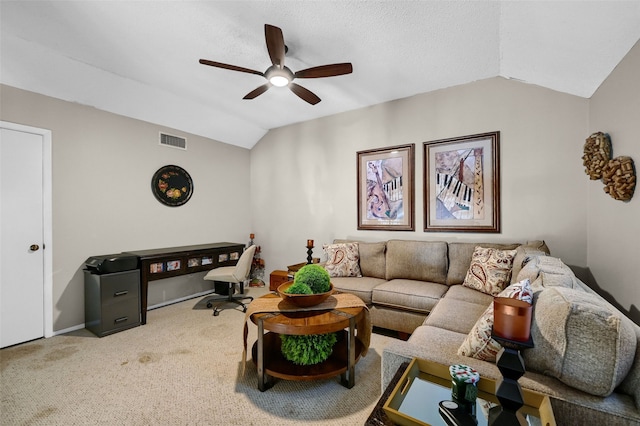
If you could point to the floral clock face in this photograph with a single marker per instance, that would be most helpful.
(172, 186)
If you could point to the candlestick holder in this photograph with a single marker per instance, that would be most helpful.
(309, 255)
(508, 390)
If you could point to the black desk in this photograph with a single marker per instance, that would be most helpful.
(157, 264)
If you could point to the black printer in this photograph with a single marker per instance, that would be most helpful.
(111, 263)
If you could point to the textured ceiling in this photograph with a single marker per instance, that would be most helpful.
(140, 59)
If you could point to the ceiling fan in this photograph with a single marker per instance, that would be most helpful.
(279, 75)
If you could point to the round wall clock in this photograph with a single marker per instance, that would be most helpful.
(172, 186)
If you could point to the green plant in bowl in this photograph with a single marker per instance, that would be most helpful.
(315, 276)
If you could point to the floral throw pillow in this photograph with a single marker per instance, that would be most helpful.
(343, 260)
(478, 343)
(490, 270)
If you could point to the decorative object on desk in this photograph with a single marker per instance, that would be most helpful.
(309, 252)
(385, 179)
(257, 266)
(308, 349)
(462, 184)
(172, 185)
(512, 329)
(464, 382)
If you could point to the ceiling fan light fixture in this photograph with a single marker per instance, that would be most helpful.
(279, 80)
(279, 77)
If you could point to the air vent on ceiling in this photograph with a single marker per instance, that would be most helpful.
(173, 141)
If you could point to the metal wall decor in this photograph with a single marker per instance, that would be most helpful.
(172, 185)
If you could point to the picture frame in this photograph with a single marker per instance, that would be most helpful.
(462, 184)
(385, 182)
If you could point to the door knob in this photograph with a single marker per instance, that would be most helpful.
(34, 247)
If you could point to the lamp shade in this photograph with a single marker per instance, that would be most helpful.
(512, 318)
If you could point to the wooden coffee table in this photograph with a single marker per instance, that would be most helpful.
(269, 360)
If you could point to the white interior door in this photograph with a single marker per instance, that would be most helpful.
(22, 241)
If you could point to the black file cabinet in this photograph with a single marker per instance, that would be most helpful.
(111, 301)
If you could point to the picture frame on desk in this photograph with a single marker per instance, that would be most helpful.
(173, 265)
(156, 268)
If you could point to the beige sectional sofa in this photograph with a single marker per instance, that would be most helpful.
(586, 355)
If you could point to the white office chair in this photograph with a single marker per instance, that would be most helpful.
(232, 275)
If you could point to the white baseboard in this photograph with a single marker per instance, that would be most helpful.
(159, 305)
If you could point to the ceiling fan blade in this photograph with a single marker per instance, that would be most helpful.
(257, 91)
(325, 71)
(275, 44)
(229, 67)
(304, 94)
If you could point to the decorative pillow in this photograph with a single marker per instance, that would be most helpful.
(580, 340)
(490, 270)
(342, 260)
(478, 343)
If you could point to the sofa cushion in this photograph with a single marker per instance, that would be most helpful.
(524, 254)
(360, 286)
(553, 268)
(490, 270)
(417, 260)
(455, 315)
(372, 259)
(460, 258)
(478, 343)
(460, 292)
(343, 260)
(418, 296)
(580, 341)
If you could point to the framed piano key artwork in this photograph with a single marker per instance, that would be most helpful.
(386, 188)
(462, 184)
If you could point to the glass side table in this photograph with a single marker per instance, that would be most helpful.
(415, 399)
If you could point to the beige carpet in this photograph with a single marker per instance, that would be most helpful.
(182, 368)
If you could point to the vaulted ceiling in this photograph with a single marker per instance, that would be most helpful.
(140, 59)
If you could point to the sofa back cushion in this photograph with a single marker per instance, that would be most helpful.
(580, 340)
(460, 258)
(417, 260)
(372, 259)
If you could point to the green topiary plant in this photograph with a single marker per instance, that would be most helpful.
(315, 276)
(299, 288)
(308, 350)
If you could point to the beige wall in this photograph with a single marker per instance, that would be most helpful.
(303, 176)
(102, 200)
(614, 226)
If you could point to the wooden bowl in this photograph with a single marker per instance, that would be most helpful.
(303, 300)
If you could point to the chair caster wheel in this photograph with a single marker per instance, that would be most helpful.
(209, 304)
(216, 313)
(244, 309)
